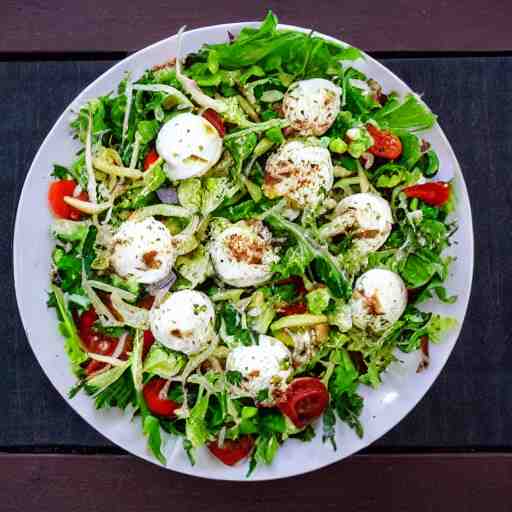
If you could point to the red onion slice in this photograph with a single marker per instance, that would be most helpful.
(167, 195)
(166, 282)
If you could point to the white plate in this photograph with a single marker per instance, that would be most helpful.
(401, 389)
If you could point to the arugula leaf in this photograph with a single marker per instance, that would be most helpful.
(329, 423)
(189, 450)
(305, 435)
(271, 421)
(232, 323)
(89, 251)
(151, 429)
(411, 150)
(103, 380)
(344, 400)
(344, 376)
(234, 377)
(411, 114)
(61, 172)
(265, 450)
(324, 262)
(294, 261)
(196, 430)
(119, 394)
(73, 343)
(349, 407)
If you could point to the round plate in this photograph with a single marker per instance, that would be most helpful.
(402, 387)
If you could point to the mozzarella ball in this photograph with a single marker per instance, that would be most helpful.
(263, 366)
(143, 250)
(378, 300)
(242, 254)
(366, 217)
(312, 105)
(303, 173)
(184, 321)
(189, 144)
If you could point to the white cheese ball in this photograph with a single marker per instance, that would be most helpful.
(189, 144)
(263, 366)
(366, 217)
(242, 254)
(184, 321)
(378, 300)
(143, 250)
(301, 172)
(312, 105)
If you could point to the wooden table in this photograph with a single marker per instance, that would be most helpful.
(454, 450)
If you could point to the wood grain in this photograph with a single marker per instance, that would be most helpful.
(470, 405)
(117, 25)
(398, 483)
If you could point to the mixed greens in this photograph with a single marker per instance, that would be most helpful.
(243, 241)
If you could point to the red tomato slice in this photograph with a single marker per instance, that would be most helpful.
(435, 193)
(305, 399)
(146, 302)
(159, 406)
(57, 192)
(148, 340)
(386, 145)
(232, 451)
(150, 159)
(293, 309)
(94, 342)
(210, 115)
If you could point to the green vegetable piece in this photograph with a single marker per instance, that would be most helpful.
(256, 71)
(196, 430)
(190, 194)
(275, 135)
(304, 320)
(163, 362)
(213, 61)
(73, 343)
(148, 130)
(103, 380)
(89, 250)
(271, 96)
(253, 189)
(429, 164)
(196, 266)
(264, 145)
(70, 230)
(318, 300)
(215, 191)
(411, 114)
(338, 145)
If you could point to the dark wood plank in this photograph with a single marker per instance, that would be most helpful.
(115, 25)
(363, 483)
(470, 405)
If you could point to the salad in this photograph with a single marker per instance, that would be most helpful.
(243, 242)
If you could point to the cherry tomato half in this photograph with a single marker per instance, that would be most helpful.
(150, 159)
(435, 193)
(95, 342)
(232, 451)
(57, 192)
(305, 399)
(293, 309)
(386, 145)
(157, 405)
(210, 115)
(147, 342)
